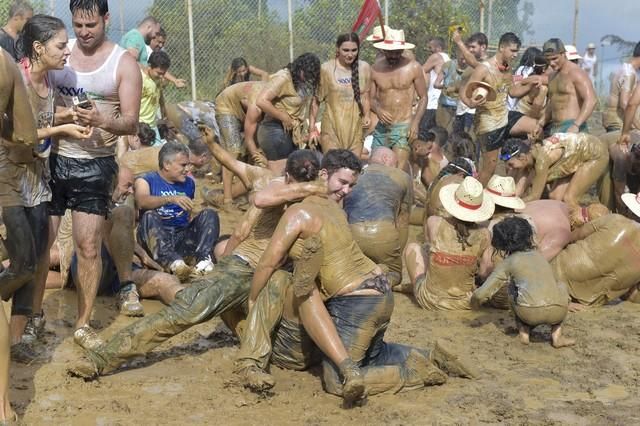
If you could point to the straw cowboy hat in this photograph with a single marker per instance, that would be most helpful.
(502, 190)
(376, 35)
(394, 41)
(571, 52)
(465, 201)
(633, 202)
(477, 90)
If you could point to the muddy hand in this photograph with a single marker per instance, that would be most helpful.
(89, 116)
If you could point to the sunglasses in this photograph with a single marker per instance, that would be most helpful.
(506, 156)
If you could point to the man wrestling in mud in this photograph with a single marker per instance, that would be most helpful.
(394, 80)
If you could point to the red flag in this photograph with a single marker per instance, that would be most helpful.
(367, 17)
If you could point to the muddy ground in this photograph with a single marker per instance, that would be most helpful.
(188, 380)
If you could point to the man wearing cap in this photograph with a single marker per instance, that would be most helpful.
(395, 79)
(590, 61)
(594, 279)
(571, 95)
(492, 79)
(572, 53)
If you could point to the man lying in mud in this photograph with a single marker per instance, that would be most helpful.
(315, 235)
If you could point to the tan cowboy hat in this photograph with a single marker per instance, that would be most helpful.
(479, 89)
(376, 35)
(394, 41)
(633, 202)
(502, 190)
(466, 201)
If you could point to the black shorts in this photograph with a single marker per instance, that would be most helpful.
(494, 140)
(82, 184)
(274, 141)
(513, 118)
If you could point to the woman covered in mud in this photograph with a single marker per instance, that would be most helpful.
(443, 277)
(534, 295)
(44, 43)
(240, 71)
(285, 103)
(570, 162)
(344, 90)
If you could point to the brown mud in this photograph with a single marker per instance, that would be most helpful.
(188, 380)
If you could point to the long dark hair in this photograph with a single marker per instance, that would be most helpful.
(309, 65)
(40, 28)
(232, 73)
(355, 74)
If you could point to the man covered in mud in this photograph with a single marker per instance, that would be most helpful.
(166, 230)
(602, 264)
(378, 210)
(330, 267)
(572, 98)
(395, 80)
(225, 289)
(491, 122)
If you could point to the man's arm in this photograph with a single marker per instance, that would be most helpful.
(225, 158)
(627, 83)
(146, 201)
(421, 90)
(288, 230)
(404, 213)
(434, 62)
(629, 115)
(584, 90)
(129, 93)
(178, 82)
(278, 193)
(469, 57)
(242, 231)
(478, 74)
(365, 72)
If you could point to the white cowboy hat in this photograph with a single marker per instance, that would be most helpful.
(591, 46)
(376, 35)
(502, 190)
(465, 201)
(394, 41)
(479, 89)
(571, 52)
(633, 202)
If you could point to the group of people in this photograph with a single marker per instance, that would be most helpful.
(521, 206)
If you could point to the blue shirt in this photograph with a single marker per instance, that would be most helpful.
(172, 214)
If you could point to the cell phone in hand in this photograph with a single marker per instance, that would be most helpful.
(82, 101)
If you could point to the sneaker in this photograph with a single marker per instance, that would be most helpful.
(129, 301)
(203, 267)
(23, 353)
(34, 330)
(353, 387)
(180, 269)
(87, 338)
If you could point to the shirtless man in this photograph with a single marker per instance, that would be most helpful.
(395, 81)
(431, 69)
(492, 116)
(378, 210)
(571, 94)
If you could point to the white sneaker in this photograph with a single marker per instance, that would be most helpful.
(204, 266)
(180, 269)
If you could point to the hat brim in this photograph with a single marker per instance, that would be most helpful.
(448, 200)
(630, 201)
(573, 57)
(514, 203)
(373, 38)
(396, 45)
(491, 96)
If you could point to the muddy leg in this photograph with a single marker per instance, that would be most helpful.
(523, 331)
(5, 407)
(558, 340)
(120, 240)
(488, 166)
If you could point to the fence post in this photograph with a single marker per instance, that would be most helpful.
(575, 23)
(52, 7)
(482, 16)
(290, 9)
(121, 17)
(386, 12)
(192, 53)
(490, 23)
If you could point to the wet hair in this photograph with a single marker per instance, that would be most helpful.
(88, 7)
(309, 64)
(231, 77)
(198, 147)
(355, 75)
(146, 134)
(149, 20)
(303, 165)
(159, 60)
(512, 235)
(426, 135)
(514, 146)
(479, 38)
(509, 38)
(529, 56)
(40, 28)
(636, 50)
(169, 151)
(336, 159)
(458, 165)
(461, 145)
(462, 231)
(439, 41)
(20, 8)
(540, 64)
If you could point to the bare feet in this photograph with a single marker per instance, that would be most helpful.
(577, 307)
(558, 340)
(523, 332)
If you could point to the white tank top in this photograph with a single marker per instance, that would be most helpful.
(101, 86)
(434, 94)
